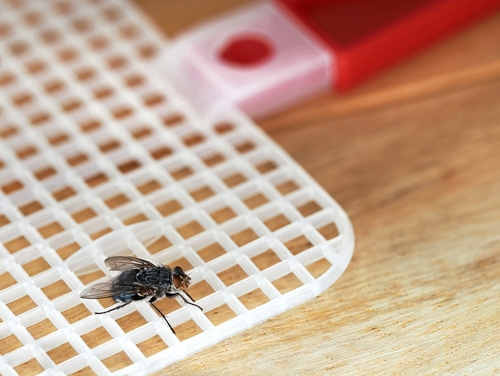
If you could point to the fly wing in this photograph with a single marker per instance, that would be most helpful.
(121, 263)
(98, 291)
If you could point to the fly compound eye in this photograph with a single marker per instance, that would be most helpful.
(181, 280)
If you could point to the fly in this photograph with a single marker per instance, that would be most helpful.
(139, 280)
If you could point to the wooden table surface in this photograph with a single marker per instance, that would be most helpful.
(413, 156)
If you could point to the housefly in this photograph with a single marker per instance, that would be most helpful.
(140, 280)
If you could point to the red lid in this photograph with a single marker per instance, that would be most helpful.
(366, 36)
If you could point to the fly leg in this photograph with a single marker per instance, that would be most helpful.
(185, 300)
(114, 309)
(151, 301)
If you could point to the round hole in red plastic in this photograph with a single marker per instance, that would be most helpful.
(246, 50)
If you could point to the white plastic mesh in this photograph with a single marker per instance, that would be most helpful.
(99, 156)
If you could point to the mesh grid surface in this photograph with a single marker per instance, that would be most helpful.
(100, 156)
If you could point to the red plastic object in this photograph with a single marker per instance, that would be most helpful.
(366, 36)
(246, 50)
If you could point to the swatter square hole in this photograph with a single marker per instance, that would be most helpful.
(277, 222)
(29, 368)
(266, 259)
(234, 179)
(63, 193)
(96, 337)
(255, 201)
(318, 268)
(329, 231)
(116, 201)
(232, 275)
(96, 179)
(153, 99)
(129, 166)
(211, 252)
(202, 193)
(159, 245)
(161, 152)
(68, 54)
(21, 305)
(82, 25)
(287, 187)
(213, 159)
(113, 14)
(76, 313)
(141, 132)
(181, 173)
(109, 145)
(254, 299)
(266, 167)
(45, 173)
(41, 329)
(224, 127)
(86, 371)
(9, 344)
(193, 139)
(220, 315)
(309, 208)
(122, 112)
(187, 330)
(243, 237)
(98, 42)
(97, 234)
(22, 99)
(36, 266)
(223, 215)
(50, 230)
(129, 31)
(58, 139)
(149, 187)
(77, 159)
(173, 120)
(134, 80)
(117, 62)
(26, 152)
(56, 289)
(245, 147)
(53, 86)
(62, 353)
(90, 277)
(147, 50)
(190, 229)
(117, 361)
(36, 66)
(6, 280)
(8, 131)
(40, 118)
(103, 92)
(152, 346)
(12, 187)
(298, 245)
(135, 219)
(90, 125)
(17, 244)
(199, 290)
(183, 263)
(67, 250)
(84, 215)
(70, 105)
(287, 283)
(6, 78)
(167, 306)
(169, 207)
(131, 321)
